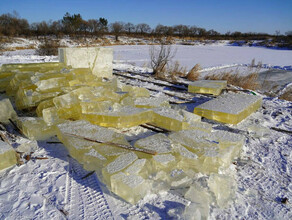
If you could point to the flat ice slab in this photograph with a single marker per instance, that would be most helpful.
(99, 60)
(213, 87)
(229, 108)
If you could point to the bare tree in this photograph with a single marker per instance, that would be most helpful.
(117, 28)
(160, 56)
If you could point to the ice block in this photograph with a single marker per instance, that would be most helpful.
(165, 162)
(35, 128)
(32, 66)
(51, 117)
(136, 91)
(130, 187)
(213, 87)
(93, 160)
(140, 167)
(157, 142)
(7, 155)
(51, 85)
(229, 108)
(124, 117)
(223, 187)
(43, 105)
(6, 111)
(151, 102)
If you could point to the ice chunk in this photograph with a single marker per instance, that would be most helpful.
(97, 59)
(43, 105)
(130, 187)
(136, 91)
(88, 107)
(188, 159)
(32, 66)
(93, 160)
(6, 111)
(164, 162)
(51, 117)
(159, 143)
(152, 102)
(139, 167)
(223, 186)
(200, 206)
(168, 119)
(190, 117)
(213, 87)
(35, 128)
(7, 155)
(203, 126)
(124, 117)
(51, 85)
(229, 108)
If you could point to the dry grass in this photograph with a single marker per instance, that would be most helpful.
(194, 73)
(176, 71)
(287, 95)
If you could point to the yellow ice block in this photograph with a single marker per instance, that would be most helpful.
(213, 87)
(7, 155)
(4, 83)
(130, 187)
(95, 106)
(159, 143)
(229, 108)
(6, 111)
(187, 159)
(168, 119)
(124, 117)
(43, 105)
(51, 117)
(93, 160)
(35, 128)
(140, 167)
(32, 66)
(16, 81)
(51, 85)
(151, 102)
(136, 91)
(165, 162)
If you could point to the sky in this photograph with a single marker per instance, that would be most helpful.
(262, 16)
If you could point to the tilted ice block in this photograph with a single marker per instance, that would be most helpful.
(227, 139)
(151, 102)
(7, 155)
(4, 83)
(6, 111)
(200, 206)
(159, 143)
(136, 91)
(35, 128)
(140, 167)
(164, 162)
(168, 119)
(51, 117)
(213, 87)
(229, 108)
(93, 160)
(16, 81)
(98, 60)
(119, 164)
(131, 187)
(187, 159)
(43, 105)
(124, 117)
(223, 187)
(51, 85)
(190, 117)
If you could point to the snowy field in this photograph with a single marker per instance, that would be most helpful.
(54, 188)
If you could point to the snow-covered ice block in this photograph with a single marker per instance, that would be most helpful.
(159, 143)
(223, 187)
(123, 117)
(168, 119)
(140, 167)
(165, 162)
(130, 187)
(97, 59)
(93, 160)
(229, 108)
(7, 155)
(35, 128)
(151, 102)
(119, 164)
(213, 87)
(6, 111)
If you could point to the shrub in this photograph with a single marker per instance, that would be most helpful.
(48, 47)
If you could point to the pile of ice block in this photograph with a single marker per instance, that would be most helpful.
(213, 87)
(229, 108)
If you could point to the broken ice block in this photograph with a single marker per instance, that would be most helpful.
(119, 164)
(151, 102)
(187, 159)
(43, 105)
(229, 108)
(51, 85)
(159, 143)
(7, 155)
(213, 87)
(92, 160)
(165, 162)
(97, 59)
(51, 117)
(140, 167)
(124, 117)
(136, 91)
(6, 111)
(200, 206)
(168, 119)
(130, 187)
(35, 128)
(223, 186)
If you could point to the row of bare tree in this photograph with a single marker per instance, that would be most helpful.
(75, 25)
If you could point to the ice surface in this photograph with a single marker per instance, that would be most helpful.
(6, 111)
(213, 87)
(229, 108)
(7, 155)
(97, 59)
(223, 187)
(35, 128)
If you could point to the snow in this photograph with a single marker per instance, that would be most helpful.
(55, 187)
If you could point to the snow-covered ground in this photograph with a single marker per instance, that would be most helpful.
(54, 188)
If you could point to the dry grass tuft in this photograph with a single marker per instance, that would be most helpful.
(194, 73)
(287, 95)
(176, 71)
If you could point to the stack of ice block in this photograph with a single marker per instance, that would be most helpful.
(213, 87)
(229, 108)
(7, 155)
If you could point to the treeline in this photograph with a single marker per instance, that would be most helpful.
(75, 25)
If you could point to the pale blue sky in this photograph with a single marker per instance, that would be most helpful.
(221, 15)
